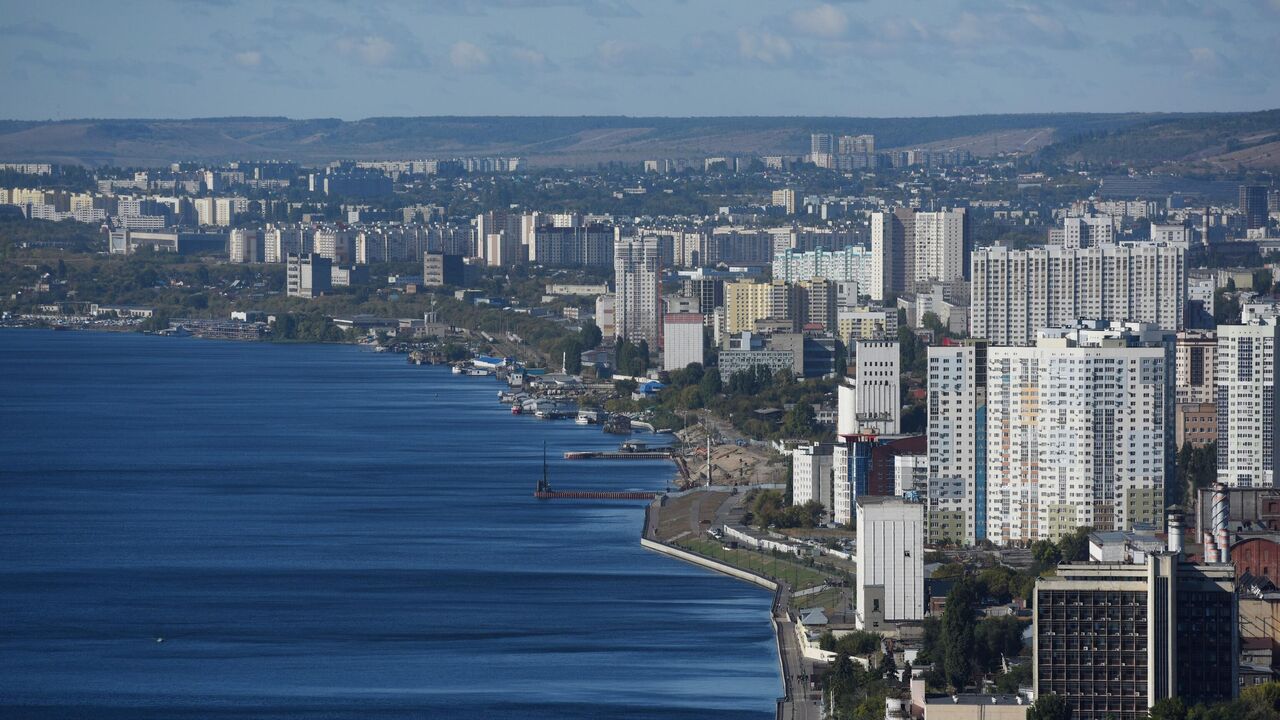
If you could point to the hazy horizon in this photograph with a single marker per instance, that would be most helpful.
(666, 58)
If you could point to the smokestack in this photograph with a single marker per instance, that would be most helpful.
(1174, 541)
(1221, 510)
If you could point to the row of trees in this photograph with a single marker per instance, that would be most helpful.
(769, 507)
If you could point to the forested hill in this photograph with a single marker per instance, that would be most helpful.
(1222, 141)
(544, 140)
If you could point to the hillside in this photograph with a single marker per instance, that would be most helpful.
(544, 140)
(1221, 141)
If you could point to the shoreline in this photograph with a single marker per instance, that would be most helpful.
(778, 606)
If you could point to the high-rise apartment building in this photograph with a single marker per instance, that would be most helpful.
(1017, 292)
(746, 302)
(1077, 433)
(281, 241)
(637, 267)
(245, 246)
(1113, 639)
(308, 276)
(822, 144)
(890, 558)
(941, 245)
(1253, 206)
(1245, 371)
(892, 253)
(572, 245)
(1084, 231)
(498, 238)
(957, 442)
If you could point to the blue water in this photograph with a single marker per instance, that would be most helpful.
(326, 532)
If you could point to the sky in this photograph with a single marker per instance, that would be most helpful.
(879, 58)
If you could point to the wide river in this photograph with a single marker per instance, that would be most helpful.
(193, 528)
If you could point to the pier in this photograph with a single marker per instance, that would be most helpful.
(618, 455)
(549, 494)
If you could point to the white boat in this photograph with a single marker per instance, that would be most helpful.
(477, 372)
(457, 370)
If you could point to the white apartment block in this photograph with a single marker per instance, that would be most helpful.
(637, 266)
(852, 264)
(811, 475)
(1086, 231)
(890, 558)
(957, 442)
(1015, 293)
(1076, 435)
(335, 244)
(282, 241)
(682, 340)
(940, 246)
(1245, 371)
(245, 246)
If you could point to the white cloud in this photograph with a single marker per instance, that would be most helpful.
(248, 58)
(467, 56)
(823, 20)
(528, 59)
(370, 50)
(764, 47)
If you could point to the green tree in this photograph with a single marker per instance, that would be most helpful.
(590, 335)
(957, 634)
(801, 421)
(709, 385)
(1049, 707)
(1169, 709)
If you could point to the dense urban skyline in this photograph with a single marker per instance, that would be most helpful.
(571, 57)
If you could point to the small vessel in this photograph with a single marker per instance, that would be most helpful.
(516, 409)
(458, 370)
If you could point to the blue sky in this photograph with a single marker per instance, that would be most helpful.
(336, 58)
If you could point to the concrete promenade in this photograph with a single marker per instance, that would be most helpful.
(798, 701)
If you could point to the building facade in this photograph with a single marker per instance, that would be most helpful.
(1113, 639)
(1076, 435)
(1015, 293)
(637, 270)
(1245, 370)
(890, 556)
